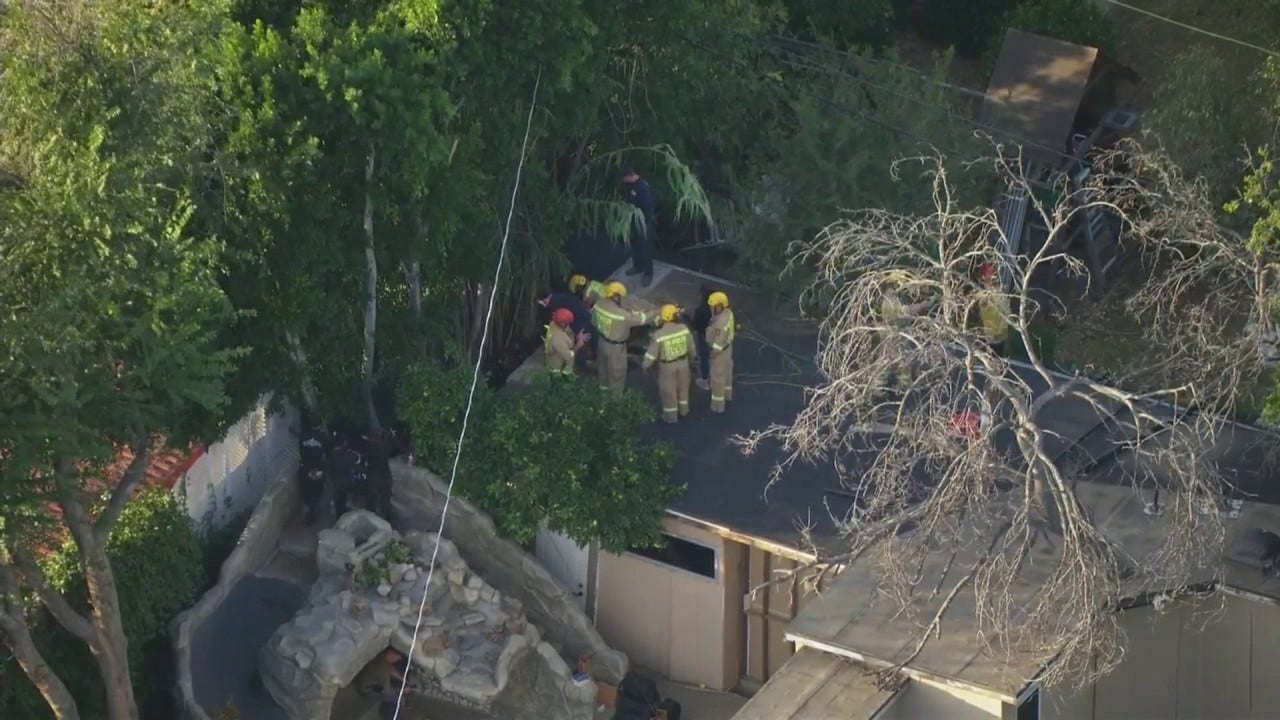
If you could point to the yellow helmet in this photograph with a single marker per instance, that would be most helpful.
(576, 282)
(718, 299)
(670, 312)
(615, 289)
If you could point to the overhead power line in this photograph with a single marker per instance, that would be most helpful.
(471, 396)
(1193, 28)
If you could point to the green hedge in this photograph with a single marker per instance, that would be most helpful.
(1075, 21)
(155, 555)
(560, 450)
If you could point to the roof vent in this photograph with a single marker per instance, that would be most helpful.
(1258, 548)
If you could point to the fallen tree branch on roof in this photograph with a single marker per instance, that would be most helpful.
(920, 314)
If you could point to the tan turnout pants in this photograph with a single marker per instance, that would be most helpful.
(611, 366)
(721, 378)
(673, 389)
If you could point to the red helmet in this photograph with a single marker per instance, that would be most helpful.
(987, 271)
(563, 317)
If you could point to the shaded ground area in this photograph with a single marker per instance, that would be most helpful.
(349, 705)
(224, 653)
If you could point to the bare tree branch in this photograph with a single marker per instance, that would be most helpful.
(972, 462)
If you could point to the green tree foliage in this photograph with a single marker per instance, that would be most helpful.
(561, 451)
(1207, 124)
(1075, 21)
(111, 310)
(966, 25)
(850, 120)
(864, 24)
(155, 553)
(1258, 203)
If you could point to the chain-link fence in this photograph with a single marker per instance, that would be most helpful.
(230, 476)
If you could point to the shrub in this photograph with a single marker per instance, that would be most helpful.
(966, 25)
(156, 559)
(564, 452)
(867, 23)
(1075, 21)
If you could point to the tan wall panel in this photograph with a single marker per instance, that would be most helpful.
(734, 641)
(926, 701)
(757, 632)
(667, 620)
(780, 650)
(697, 637)
(1066, 706)
(1266, 661)
(1145, 684)
(633, 612)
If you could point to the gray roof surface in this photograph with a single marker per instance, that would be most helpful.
(773, 363)
(814, 685)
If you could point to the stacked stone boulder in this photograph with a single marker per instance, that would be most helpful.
(474, 647)
(418, 501)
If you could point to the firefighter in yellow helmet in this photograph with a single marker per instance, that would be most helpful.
(676, 353)
(589, 290)
(614, 324)
(720, 337)
(895, 312)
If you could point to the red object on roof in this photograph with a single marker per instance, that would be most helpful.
(967, 424)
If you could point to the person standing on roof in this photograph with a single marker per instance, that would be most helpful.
(675, 351)
(573, 303)
(895, 313)
(698, 323)
(639, 194)
(614, 324)
(720, 334)
(559, 344)
(993, 309)
(588, 290)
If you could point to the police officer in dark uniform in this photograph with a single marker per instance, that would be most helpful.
(377, 472)
(637, 192)
(313, 449)
(346, 468)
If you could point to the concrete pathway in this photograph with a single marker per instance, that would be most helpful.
(224, 651)
(695, 703)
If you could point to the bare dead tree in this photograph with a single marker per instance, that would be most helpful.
(970, 493)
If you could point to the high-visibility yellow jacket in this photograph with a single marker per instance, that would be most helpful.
(670, 343)
(994, 311)
(613, 322)
(558, 346)
(721, 331)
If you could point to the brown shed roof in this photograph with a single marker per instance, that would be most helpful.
(1036, 88)
(814, 685)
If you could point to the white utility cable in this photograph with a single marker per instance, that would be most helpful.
(466, 416)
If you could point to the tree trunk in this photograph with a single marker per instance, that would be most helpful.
(16, 635)
(371, 300)
(300, 357)
(109, 644)
(111, 647)
(413, 278)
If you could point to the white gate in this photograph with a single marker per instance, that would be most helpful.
(566, 561)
